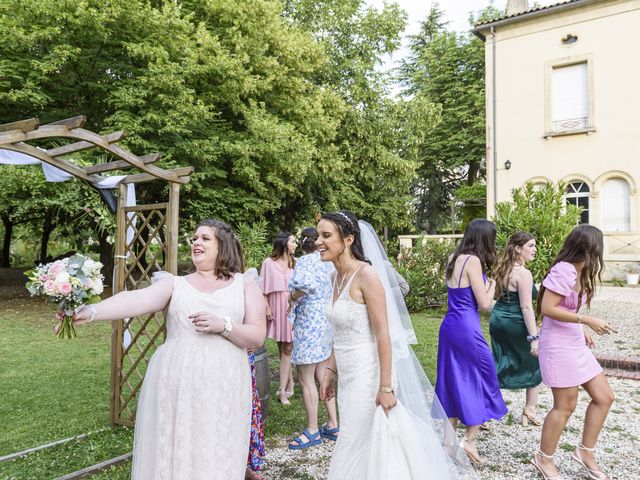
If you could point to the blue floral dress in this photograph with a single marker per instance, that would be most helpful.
(312, 332)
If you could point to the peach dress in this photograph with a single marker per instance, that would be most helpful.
(275, 285)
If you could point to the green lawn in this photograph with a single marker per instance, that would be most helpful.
(53, 389)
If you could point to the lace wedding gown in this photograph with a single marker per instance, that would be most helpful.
(370, 444)
(194, 413)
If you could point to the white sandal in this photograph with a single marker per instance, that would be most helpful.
(593, 474)
(534, 461)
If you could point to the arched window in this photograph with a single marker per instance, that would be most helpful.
(578, 194)
(616, 206)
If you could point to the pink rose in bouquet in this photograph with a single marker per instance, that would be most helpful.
(67, 283)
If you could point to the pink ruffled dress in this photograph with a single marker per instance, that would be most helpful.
(275, 285)
(565, 359)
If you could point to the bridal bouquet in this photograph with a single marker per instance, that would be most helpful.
(67, 283)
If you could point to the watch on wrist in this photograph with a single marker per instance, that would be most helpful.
(531, 338)
(387, 390)
(228, 326)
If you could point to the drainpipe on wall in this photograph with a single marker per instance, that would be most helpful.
(495, 146)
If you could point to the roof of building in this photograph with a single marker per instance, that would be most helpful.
(532, 12)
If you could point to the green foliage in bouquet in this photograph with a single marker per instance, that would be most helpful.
(424, 267)
(542, 212)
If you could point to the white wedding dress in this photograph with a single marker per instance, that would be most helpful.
(194, 413)
(371, 445)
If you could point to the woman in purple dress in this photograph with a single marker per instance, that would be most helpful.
(467, 383)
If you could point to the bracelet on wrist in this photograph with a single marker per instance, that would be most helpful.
(531, 338)
(579, 319)
(387, 390)
(93, 311)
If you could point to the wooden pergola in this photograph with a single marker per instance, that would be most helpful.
(152, 247)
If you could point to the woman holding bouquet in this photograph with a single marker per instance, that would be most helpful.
(194, 412)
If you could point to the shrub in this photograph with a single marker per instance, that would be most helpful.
(543, 213)
(255, 243)
(424, 267)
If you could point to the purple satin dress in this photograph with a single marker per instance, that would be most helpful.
(467, 383)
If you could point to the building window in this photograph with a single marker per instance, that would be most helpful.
(578, 194)
(616, 206)
(570, 97)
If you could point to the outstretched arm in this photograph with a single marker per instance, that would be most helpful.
(128, 304)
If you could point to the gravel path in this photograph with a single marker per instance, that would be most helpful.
(508, 446)
(621, 307)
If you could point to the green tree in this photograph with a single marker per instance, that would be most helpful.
(446, 69)
(542, 212)
(376, 175)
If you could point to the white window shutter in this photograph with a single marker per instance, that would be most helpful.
(616, 206)
(570, 97)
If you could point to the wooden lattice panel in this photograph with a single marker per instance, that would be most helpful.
(144, 252)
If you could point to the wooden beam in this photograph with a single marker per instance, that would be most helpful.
(47, 131)
(73, 122)
(121, 164)
(79, 146)
(182, 175)
(22, 125)
(12, 136)
(56, 162)
(98, 467)
(29, 451)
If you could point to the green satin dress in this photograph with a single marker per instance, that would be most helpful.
(516, 367)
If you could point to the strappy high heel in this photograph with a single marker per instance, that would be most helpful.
(593, 474)
(527, 417)
(535, 463)
(473, 457)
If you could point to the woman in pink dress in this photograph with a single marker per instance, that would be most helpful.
(566, 361)
(275, 273)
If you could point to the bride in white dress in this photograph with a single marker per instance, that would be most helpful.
(391, 424)
(194, 412)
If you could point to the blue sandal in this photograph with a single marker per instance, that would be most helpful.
(329, 433)
(312, 440)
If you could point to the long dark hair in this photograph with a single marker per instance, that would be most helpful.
(280, 248)
(308, 239)
(479, 239)
(507, 260)
(346, 223)
(230, 259)
(583, 244)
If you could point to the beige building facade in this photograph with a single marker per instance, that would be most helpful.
(563, 103)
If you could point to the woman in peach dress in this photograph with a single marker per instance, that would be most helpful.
(275, 274)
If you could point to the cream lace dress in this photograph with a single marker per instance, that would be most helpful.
(194, 413)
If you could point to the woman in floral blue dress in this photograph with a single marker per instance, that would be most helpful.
(310, 289)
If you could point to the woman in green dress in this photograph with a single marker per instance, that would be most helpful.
(514, 334)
